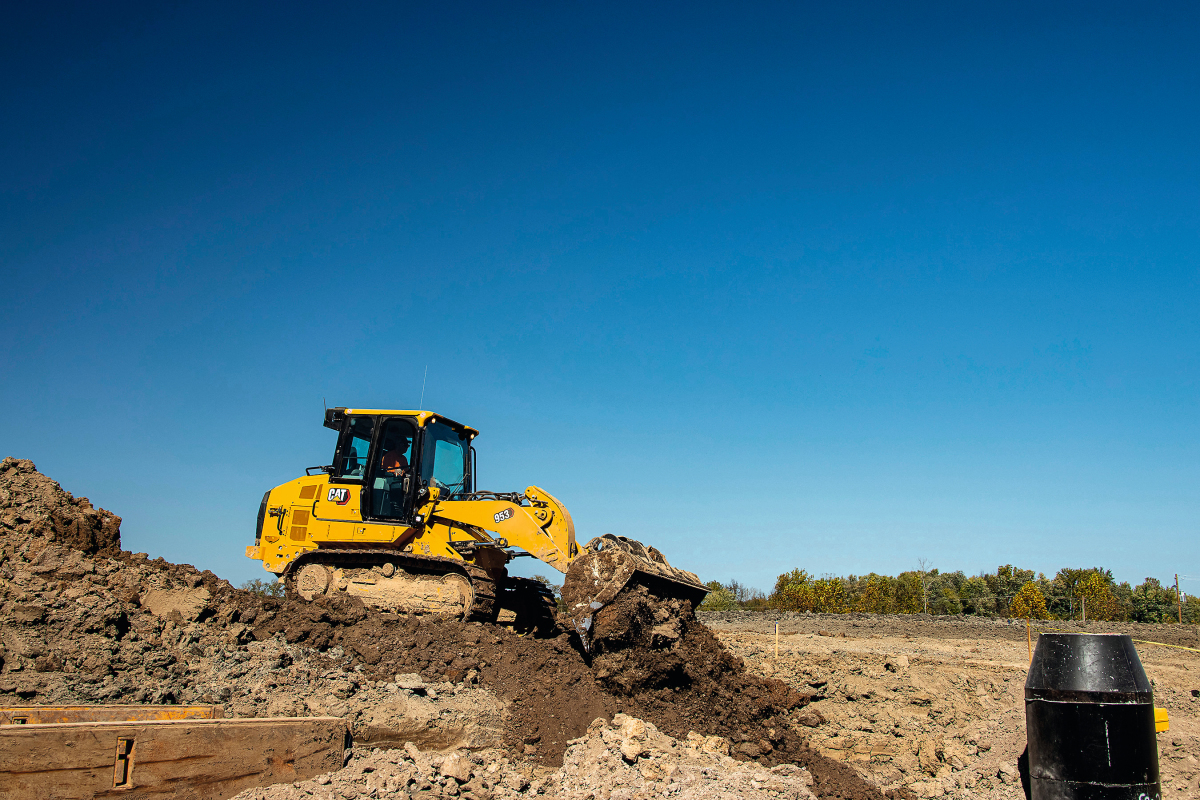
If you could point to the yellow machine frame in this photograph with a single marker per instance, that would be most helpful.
(314, 511)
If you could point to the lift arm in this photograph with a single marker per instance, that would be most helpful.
(543, 528)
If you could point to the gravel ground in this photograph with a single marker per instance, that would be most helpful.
(624, 760)
(937, 705)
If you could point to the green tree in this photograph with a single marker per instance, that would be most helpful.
(877, 595)
(1153, 603)
(719, 598)
(976, 596)
(1065, 591)
(555, 588)
(1005, 584)
(1066, 600)
(793, 592)
(830, 596)
(1191, 609)
(910, 595)
(944, 600)
(747, 597)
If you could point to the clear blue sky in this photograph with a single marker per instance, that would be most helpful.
(833, 286)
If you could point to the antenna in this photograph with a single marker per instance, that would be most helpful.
(421, 404)
(323, 403)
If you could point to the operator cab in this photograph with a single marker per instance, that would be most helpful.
(397, 456)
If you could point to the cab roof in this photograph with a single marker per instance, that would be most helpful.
(423, 417)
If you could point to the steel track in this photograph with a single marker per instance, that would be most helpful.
(483, 588)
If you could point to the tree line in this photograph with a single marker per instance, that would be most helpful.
(1085, 593)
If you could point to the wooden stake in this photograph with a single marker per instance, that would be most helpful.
(777, 640)
(1029, 639)
(1083, 605)
(1178, 598)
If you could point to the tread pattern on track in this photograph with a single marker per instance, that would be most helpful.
(483, 588)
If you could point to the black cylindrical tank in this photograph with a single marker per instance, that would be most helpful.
(1089, 719)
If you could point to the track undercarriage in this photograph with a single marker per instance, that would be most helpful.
(413, 584)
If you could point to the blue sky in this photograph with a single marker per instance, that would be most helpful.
(767, 286)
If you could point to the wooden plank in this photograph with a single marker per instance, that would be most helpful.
(161, 759)
(45, 715)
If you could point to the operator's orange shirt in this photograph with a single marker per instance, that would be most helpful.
(394, 462)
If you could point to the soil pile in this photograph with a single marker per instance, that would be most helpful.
(83, 622)
(550, 693)
(34, 505)
(680, 678)
(651, 648)
(623, 760)
(80, 623)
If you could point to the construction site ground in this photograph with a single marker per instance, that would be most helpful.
(853, 708)
(936, 704)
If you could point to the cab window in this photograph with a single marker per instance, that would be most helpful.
(443, 459)
(354, 449)
(392, 472)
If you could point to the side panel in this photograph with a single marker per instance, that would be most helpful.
(337, 517)
(289, 521)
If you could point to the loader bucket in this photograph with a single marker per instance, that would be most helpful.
(607, 566)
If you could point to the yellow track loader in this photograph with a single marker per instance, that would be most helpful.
(396, 520)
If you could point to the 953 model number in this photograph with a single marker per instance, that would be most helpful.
(500, 516)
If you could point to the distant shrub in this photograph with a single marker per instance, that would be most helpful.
(264, 588)
(1009, 591)
(1191, 609)
(556, 588)
(719, 598)
(1153, 602)
(757, 603)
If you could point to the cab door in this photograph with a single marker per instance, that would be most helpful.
(391, 479)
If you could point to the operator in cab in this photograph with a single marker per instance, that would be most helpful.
(395, 459)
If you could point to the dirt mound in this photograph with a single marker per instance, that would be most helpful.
(32, 504)
(683, 681)
(652, 650)
(81, 621)
(551, 694)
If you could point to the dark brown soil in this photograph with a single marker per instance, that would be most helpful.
(681, 681)
(653, 651)
(553, 694)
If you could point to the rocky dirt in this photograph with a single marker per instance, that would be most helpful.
(83, 622)
(621, 760)
(936, 705)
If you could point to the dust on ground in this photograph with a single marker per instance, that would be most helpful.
(936, 705)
